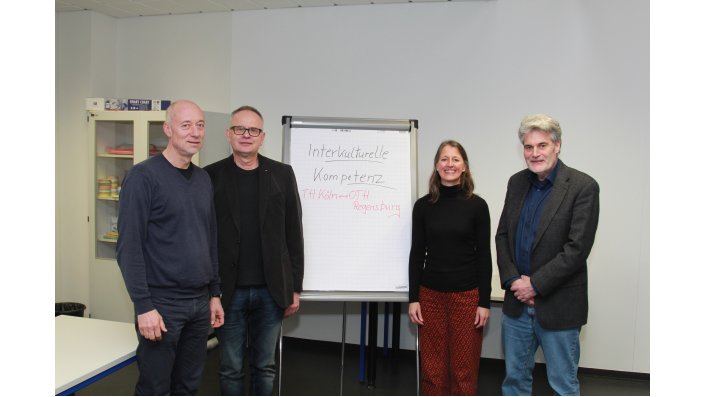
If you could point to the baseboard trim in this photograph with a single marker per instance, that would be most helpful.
(584, 371)
(615, 374)
(500, 362)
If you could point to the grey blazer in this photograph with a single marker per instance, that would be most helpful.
(563, 242)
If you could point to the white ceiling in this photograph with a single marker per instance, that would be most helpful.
(136, 8)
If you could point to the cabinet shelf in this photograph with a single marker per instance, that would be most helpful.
(115, 156)
(117, 141)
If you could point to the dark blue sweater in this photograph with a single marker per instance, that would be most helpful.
(166, 234)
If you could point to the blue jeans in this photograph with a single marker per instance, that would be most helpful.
(174, 365)
(521, 337)
(252, 324)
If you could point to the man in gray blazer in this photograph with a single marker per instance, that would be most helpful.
(544, 237)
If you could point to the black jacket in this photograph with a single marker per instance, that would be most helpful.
(280, 225)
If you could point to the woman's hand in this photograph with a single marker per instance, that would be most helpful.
(415, 313)
(482, 314)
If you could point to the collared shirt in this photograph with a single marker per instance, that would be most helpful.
(529, 219)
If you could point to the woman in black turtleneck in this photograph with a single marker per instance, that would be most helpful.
(450, 271)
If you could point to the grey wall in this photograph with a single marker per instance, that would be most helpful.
(85, 67)
(175, 57)
(470, 71)
(466, 70)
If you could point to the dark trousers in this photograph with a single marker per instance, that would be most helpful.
(174, 365)
(450, 344)
(252, 324)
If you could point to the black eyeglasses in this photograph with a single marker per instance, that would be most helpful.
(240, 130)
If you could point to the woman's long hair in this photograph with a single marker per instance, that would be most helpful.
(466, 182)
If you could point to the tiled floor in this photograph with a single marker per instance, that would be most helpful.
(313, 368)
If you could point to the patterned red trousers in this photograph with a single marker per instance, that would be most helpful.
(449, 342)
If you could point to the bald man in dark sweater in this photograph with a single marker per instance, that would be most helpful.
(168, 257)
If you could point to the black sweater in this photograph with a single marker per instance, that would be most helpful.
(450, 245)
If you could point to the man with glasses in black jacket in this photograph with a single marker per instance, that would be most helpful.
(260, 251)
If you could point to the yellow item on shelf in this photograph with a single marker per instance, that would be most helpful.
(111, 235)
(114, 186)
(104, 188)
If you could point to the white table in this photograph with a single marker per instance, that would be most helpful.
(88, 349)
